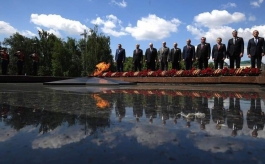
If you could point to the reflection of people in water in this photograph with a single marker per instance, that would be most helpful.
(150, 108)
(255, 117)
(4, 110)
(164, 108)
(234, 116)
(218, 112)
(120, 107)
(175, 108)
(202, 107)
(137, 106)
(187, 108)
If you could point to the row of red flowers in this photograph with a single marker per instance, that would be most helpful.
(186, 73)
(206, 94)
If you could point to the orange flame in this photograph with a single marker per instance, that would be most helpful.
(100, 68)
(100, 102)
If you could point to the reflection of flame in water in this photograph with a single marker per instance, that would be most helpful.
(100, 102)
(100, 68)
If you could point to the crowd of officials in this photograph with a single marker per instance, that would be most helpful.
(5, 60)
(233, 51)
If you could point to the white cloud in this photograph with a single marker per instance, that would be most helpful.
(228, 5)
(120, 4)
(109, 25)
(218, 18)
(153, 28)
(211, 34)
(217, 145)
(6, 28)
(58, 23)
(51, 31)
(28, 33)
(59, 137)
(151, 136)
(7, 133)
(251, 17)
(256, 3)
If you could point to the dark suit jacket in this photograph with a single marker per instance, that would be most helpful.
(254, 49)
(188, 53)
(120, 55)
(235, 49)
(219, 53)
(175, 56)
(164, 55)
(151, 56)
(137, 57)
(204, 52)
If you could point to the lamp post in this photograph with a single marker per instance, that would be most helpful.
(85, 54)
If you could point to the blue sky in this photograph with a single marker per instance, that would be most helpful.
(130, 21)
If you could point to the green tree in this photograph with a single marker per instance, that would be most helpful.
(19, 42)
(45, 44)
(96, 50)
(128, 64)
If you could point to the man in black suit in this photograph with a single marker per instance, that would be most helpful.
(219, 54)
(120, 58)
(175, 56)
(256, 49)
(203, 52)
(235, 50)
(137, 58)
(188, 55)
(164, 56)
(255, 116)
(151, 57)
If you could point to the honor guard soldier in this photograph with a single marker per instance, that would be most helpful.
(20, 61)
(35, 63)
(4, 60)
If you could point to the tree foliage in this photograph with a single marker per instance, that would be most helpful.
(58, 57)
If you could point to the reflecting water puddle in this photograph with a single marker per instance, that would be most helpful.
(118, 125)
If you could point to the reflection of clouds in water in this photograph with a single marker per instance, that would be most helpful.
(110, 137)
(7, 133)
(59, 137)
(217, 144)
(152, 136)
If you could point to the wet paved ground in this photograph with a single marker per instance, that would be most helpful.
(132, 124)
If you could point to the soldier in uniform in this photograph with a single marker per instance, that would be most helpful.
(4, 61)
(20, 62)
(35, 63)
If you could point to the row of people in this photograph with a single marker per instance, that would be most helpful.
(5, 60)
(232, 117)
(233, 51)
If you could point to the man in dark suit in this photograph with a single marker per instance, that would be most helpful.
(151, 57)
(235, 50)
(164, 56)
(256, 49)
(137, 58)
(188, 55)
(175, 56)
(219, 54)
(203, 52)
(120, 58)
